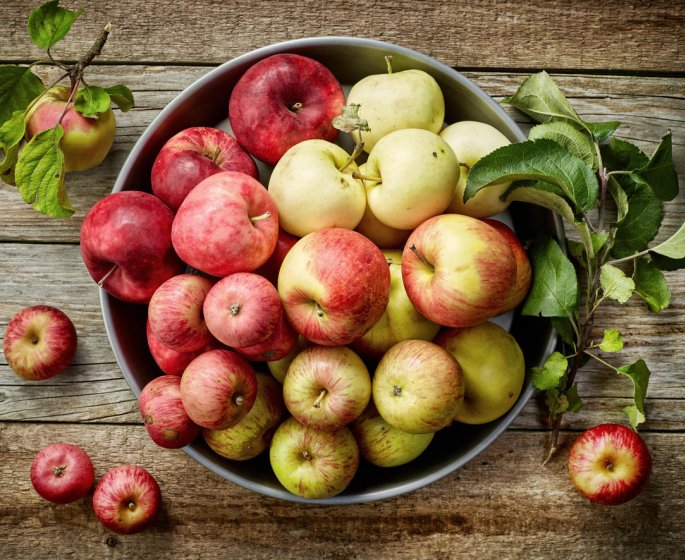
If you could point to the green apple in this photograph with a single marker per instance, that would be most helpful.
(397, 100)
(383, 445)
(412, 176)
(313, 188)
(251, 435)
(400, 321)
(313, 463)
(471, 140)
(418, 387)
(279, 368)
(493, 367)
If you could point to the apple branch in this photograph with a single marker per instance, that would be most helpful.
(76, 71)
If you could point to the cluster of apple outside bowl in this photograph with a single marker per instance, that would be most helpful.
(205, 103)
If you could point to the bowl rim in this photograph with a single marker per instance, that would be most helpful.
(105, 299)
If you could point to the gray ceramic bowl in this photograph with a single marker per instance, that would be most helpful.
(205, 103)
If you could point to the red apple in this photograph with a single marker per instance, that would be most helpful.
(334, 285)
(193, 155)
(165, 418)
(126, 245)
(242, 309)
(127, 499)
(228, 223)
(170, 361)
(39, 342)
(86, 140)
(458, 271)
(62, 473)
(277, 346)
(524, 273)
(609, 464)
(175, 313)
(281, 101)
(218, 388)
(272, 267)
(326, 388)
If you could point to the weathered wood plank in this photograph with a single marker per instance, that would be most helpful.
(538, 513)
(584, 34)
(646, 106)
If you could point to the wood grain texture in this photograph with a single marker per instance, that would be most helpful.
(578, 34)
(502, 504)
(648, 107)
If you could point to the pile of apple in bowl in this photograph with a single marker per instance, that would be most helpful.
(293, 285)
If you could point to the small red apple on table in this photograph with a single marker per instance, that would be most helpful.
(62, 473)
(610, 464)
(39, 342)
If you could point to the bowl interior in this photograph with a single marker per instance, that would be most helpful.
(205, 103)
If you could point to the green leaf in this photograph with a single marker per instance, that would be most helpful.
(91, 101)
(602, 130)
(541, 194)
(554, 290)
(620, 198)
(664, 263)
(540, 160)
(11, 134)
(556, 402)
(18, 87)
(121, 96)
(564, 329)
(612, 341)
(549, 376)
(639, 374)
(621, 155)
(598, 240)
(49, 23)
(659, 172)
(575, 141)
(651, 285)
(575, 404)
(40, 174)
(674, 246)
(615, 284)
(640, 224)
(540, 97)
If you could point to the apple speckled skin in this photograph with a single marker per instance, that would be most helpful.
(282, 100)
(132, 230)
(191, 156)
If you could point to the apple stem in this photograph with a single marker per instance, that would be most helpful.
(59, 470)
(238, 400)
(215, 155)
(359, 146)
(463, 164)
(261, 217)
(131, 505)
(358, 175)
(234, 309)
(296, 107)
(388, 63)
(306, 455)
(317, 402)
(319, 311)
(102, 280)
(419, 256)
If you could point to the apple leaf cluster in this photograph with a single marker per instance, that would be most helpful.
(36, 164)
(612, 194)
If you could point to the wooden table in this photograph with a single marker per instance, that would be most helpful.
(615, 60)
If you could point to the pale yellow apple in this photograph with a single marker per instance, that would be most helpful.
(313, 188)
(493, 367)
(417, 172)
(400, 321)
(471, 140)
(397, 100)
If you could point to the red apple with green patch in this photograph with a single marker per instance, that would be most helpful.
(86, 141)
(191, 156)
(161, 407)
(282, 100)
(610, 464)
(334, 285)
(218, 388)
(458, 271)
(39, 342)
(327, 387)
(62, 473)
(226, 224)
(127, 499)
(175, 313)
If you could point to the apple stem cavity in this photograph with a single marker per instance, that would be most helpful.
(59, 470)
(307, 455)
(322, 394)
(234, 309)
(388, 63)
(319, 311)
(396, 390)
(131, 505)
(420, 256)
(109, 273)
(261, 217)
